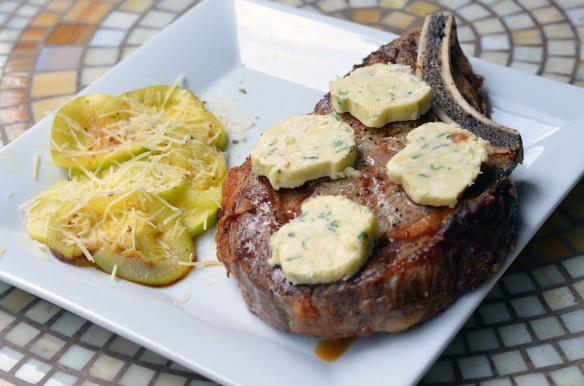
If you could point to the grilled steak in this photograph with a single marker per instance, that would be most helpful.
(426, 257)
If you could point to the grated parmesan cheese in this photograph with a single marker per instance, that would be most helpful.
(113, 273)
(35, 166)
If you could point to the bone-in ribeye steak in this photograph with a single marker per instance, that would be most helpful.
(427, 256)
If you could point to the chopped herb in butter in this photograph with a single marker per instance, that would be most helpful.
(330, 241)
(439, 162)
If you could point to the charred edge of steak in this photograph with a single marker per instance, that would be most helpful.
(410, 276)
(438, 43)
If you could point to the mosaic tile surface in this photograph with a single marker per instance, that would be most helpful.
(528, 332)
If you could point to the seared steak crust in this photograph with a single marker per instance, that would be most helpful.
(426, 257)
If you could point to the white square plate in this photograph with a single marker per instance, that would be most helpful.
(255, 62)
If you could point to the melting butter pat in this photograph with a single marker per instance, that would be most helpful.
(381, 93)
(302, 148)
(330, 241)
(439, 162)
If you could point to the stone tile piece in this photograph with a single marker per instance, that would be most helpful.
(494, 313)
(532, 379)
(59, 6)
(505, 7)
(489, 26)
(575, 266)
(570, 376)
(573, 348)
(139, 36)
(154, 358)
(21, 334)
(396, 4)
(105, 37)
(96, 335)
(70, 33)
(42, 311)
(474, 11)
(558, 31)
(509, 362)
(9, 6)
(456, 346)
(515, 334)
(544, 356)
(497, 382)
(474, 367)
(518, 282)
(99, 56)
(27, 11)
(547, 328)
(76, 357)
(548, 275)
(47, 346)
(123, 346)
(16, 300)
(120, 20)
(13, 114)
(88, 11)
(57, 58)
(362, 3)
(179, 6)
(482, 340)
(90, 74)
(519, 21)
(68, 324)
(574, 321)
(33, 371)
(18, 23)
(33, 33)
(530, 36)
(7, 35)
(45, 19)
(399, 20)
(548, 15)
(422, 8)
(440, 372)
(137, 376)
(559, 298)
(61, 379)
(5, 319)
(157, 19)
(169, 380)
(562, 47)
(533, 4)
(138, 6)
(45, 106)
(12, 98)
(9, 358)
(367, 16)
(106, 367)
(527, 306)
(579, 287)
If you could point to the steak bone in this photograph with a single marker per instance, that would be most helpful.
(438, 44)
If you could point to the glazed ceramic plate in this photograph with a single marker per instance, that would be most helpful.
(254, 63)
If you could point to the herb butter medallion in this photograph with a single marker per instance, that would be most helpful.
(439, 162)
(381, 93)
(302, 148)
(330, 241)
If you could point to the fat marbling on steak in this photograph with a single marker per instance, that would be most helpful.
(427, 256)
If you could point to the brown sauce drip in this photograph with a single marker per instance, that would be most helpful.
(331, 350)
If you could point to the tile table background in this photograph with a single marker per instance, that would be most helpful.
(529, 331)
